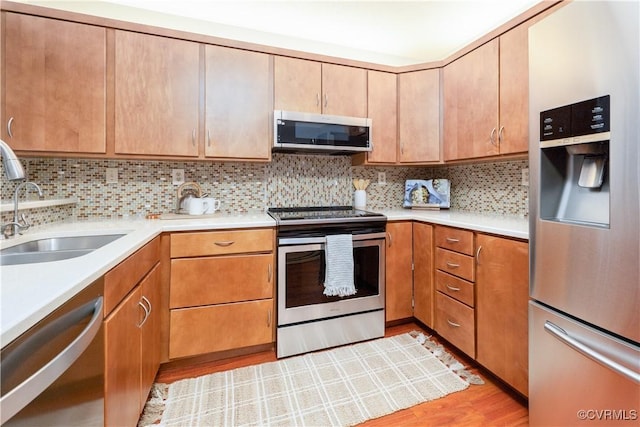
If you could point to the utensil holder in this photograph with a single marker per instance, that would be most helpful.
(360, 199)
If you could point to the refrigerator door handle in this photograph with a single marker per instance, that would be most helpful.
(563, 336)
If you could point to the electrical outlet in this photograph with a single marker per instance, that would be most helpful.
(111, 176)
(177, 176)
(382, 178)
(525, 176)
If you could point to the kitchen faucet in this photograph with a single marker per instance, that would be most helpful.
(19, 223)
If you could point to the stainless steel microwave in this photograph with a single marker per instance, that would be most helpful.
(320, 133)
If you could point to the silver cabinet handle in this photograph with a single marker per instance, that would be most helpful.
(452, 240)
(147, 302)
(326, 100)
(452, 265)
(208, 138)
(452, 288)
(146, 313)
(592, 354)
(193, 137)
(389, 238)
(269, 318)
(9, 123)
(454, 324)
(478, 255)
(491, 137)
(317, 99)
(500, 132)
(225, 243)
(269, 274)
(20, 396)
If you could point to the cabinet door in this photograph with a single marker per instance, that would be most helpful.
(297, 85)
(471, 104)
(239, 104)
(344, 90)
(122, 363)
(419, 116)
(399, 274)
(502, 292)
(151, 331)
(423, 292)
(514, 91)
(55, 85)
(382, 110)
(156, 95)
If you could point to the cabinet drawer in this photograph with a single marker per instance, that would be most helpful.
(455, 287)
(456, 264)
(216, 280)
(455, 323)
(123, 277)
(202, 330)
(454, 239)
(221, 242)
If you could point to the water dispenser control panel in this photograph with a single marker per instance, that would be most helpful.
(577, 123)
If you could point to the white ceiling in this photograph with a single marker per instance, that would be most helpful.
(393, 32)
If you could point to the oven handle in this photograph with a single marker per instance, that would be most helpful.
(312, 240)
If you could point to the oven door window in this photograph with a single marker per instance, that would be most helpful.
(305, 271)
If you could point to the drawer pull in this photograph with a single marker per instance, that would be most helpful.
(452, 265)
(225, 243)
(269, 273)
(269, 318)
(452, 240)
(451, 288)
(454, 324)
(478, 255)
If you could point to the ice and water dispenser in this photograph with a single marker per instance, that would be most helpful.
(574, 163)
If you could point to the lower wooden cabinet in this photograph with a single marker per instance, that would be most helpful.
(132, 336)
(399, 274)
(423, 293)
(222, 289)
(502, 287)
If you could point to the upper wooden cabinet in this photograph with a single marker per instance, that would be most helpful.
(419, 116)
(54, 85)
(156, 95)
(486, 99)
(314, 87)
(239, 99)
(383, 112)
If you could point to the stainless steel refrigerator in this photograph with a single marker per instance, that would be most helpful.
(584, 311)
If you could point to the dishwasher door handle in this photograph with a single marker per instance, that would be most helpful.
(20, 396)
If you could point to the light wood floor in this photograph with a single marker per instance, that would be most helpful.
(490, 404)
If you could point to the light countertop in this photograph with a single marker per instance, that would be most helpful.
(29, 292)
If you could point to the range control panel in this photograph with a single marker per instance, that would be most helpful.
(582, 118)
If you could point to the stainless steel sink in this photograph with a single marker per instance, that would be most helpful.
(54, 249)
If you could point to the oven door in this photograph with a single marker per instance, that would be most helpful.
(301, 273)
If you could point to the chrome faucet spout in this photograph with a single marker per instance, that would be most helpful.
(19, 223)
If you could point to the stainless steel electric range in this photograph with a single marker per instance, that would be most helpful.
(309, 320)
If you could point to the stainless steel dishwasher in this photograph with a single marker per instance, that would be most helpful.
(53, 374)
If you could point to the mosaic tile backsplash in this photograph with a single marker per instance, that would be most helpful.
(289, 180)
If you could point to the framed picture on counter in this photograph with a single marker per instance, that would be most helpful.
(427, 194)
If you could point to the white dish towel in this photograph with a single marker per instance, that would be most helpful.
(338, 279)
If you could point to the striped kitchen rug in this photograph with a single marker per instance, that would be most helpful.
(343, 386)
